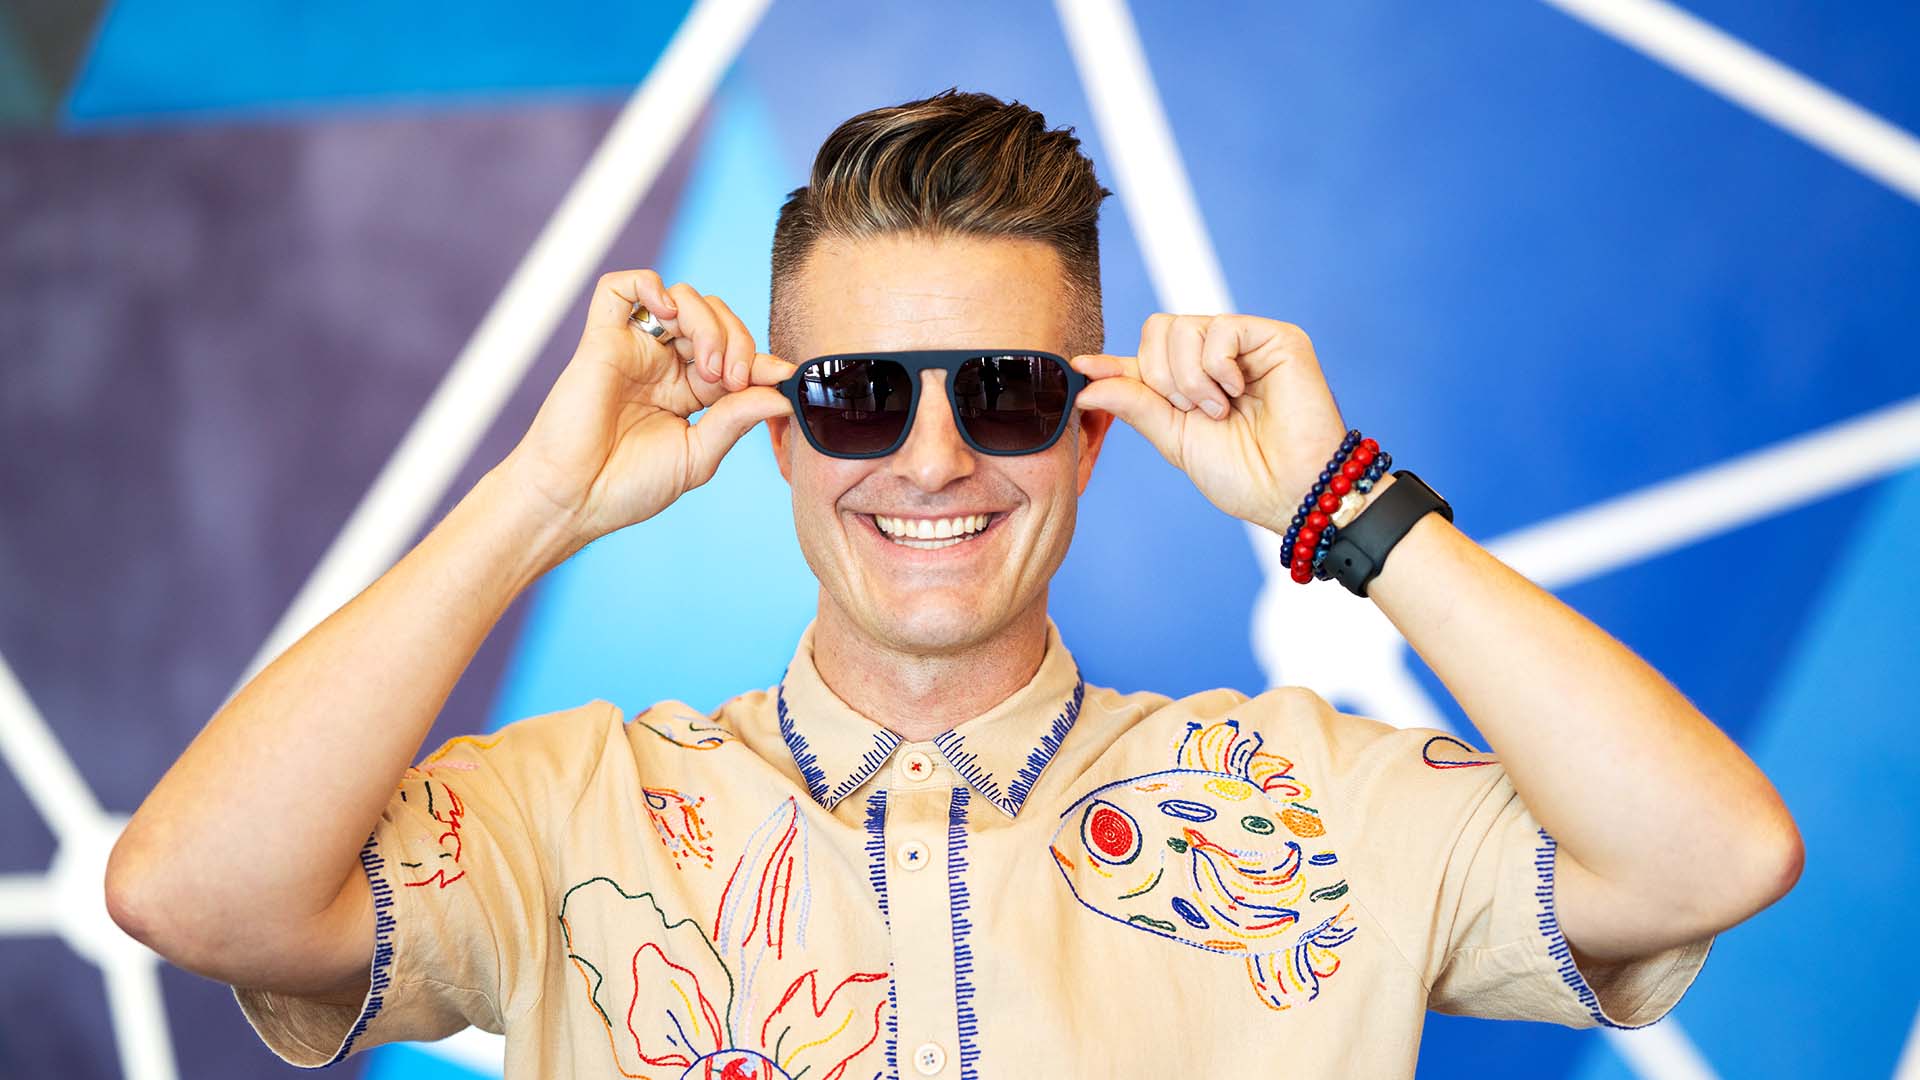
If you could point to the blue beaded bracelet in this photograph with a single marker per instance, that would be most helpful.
(1319, 488)
(1344, 474)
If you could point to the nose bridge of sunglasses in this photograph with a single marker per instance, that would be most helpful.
(934, 417)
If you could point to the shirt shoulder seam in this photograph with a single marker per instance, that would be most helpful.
(542, 857)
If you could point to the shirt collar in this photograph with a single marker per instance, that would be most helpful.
(1000, 753)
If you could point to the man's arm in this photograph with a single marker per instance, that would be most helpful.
(277, 793)
(242, 864)
(1666, 830)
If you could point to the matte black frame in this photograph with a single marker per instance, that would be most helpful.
(917, 361)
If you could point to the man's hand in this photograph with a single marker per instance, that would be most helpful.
(611, 445)
(1237, 402)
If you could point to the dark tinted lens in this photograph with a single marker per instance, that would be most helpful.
(1011, 403)
(855, 406)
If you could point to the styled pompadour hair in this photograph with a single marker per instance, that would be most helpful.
(951, 164)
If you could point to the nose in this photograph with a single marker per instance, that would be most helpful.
(934, 454)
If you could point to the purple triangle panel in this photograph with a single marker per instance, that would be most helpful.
(215, 337)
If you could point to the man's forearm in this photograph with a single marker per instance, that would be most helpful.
(281, 787)
(1630, 779)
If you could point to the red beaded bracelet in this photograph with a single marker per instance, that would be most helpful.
(1336, 499)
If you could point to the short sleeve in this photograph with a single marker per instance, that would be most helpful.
(457, 866)
(1462, 877)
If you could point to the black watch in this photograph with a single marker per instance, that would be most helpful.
(1360, 550)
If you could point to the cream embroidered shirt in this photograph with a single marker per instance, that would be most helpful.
(1078, 883)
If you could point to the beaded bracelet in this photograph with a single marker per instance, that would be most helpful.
(1337, 498)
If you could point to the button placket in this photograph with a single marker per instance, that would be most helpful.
(921, 924)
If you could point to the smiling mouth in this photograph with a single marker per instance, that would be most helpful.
(930, 533)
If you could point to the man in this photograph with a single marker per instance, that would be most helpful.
(932, 849)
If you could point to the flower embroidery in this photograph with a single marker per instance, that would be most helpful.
(443, 805)
(681, 827)
(738, 1001)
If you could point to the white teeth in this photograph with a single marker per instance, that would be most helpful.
(931, 532)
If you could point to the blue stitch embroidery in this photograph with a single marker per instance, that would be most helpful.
(383, 926)
(1443, 758)
(967, 1024)
(1185, 909)
(803, 755)
(967, 764)
(877, 874)
(1557, 946)
(1188, 810)
(883, 744)
(810, 768)
(1022, 785)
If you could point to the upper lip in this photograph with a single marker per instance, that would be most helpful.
(928, 517)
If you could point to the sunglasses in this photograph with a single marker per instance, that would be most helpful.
(861, 405)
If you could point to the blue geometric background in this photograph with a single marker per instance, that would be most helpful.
(1547, 270)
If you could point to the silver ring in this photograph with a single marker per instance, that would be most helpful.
(645, 320)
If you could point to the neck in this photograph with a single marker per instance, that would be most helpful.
(918, 695)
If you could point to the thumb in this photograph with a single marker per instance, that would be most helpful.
(725, 421)
(1140, 406)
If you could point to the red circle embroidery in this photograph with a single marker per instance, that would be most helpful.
(1111, 832)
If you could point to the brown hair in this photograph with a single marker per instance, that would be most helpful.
(953, 163)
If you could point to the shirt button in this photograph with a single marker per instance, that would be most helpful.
(915, 765)
(929, 1059)
(911, 855)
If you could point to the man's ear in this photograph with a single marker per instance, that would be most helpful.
(1094, 424)
(778, 429)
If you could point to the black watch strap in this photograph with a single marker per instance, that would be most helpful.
(1360, 550)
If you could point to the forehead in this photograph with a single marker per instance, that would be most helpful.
(914, 292)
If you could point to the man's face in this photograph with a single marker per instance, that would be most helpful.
(904, 292)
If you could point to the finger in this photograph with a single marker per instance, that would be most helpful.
(1220, 355)
(1152, 357)
(706, 389)
(769, 369)
(737, 357)
(611, 310)
(722, 425)
(1184, 341)
(615, 294)
(700, 325)
(1268, 346)
(1103, 365)
(1141, 406)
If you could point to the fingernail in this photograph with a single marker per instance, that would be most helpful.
(1180, 402)
(1213, 408)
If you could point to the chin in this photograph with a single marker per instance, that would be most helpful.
(931, 623)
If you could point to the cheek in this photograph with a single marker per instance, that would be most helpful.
(1051, 484)
(818, 485)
